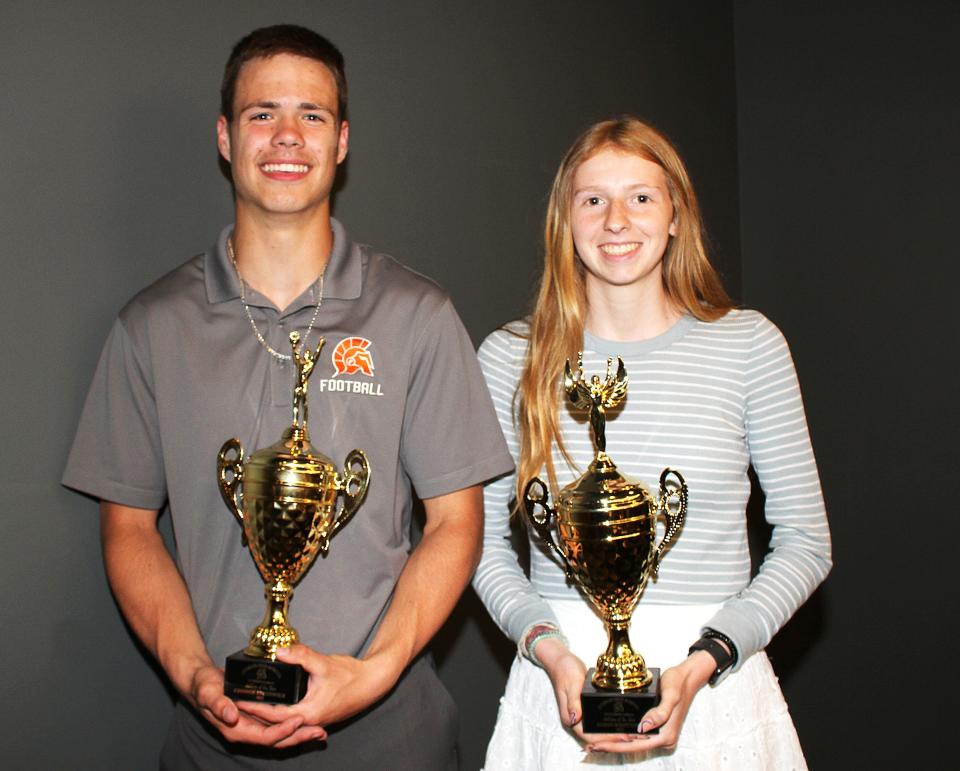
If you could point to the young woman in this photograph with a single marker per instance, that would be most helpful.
(712, 391)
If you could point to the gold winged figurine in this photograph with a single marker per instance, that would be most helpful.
(304, 360)
(596, 396)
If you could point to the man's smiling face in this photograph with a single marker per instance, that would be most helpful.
(285, 140)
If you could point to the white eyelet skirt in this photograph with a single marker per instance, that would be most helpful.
(742, 724)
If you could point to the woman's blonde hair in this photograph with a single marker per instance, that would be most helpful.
(556, 329)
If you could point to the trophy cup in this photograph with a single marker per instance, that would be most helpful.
(285, 498)
(606, 525)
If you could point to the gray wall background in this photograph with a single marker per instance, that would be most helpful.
(848, 126)
(835, 128)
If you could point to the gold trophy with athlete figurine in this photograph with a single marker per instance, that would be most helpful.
(285, 498)
(606, 527)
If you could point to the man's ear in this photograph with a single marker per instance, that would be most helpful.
(343, 142)
(223, 138)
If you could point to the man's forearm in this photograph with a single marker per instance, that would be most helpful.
(432, 580)
(151, 592)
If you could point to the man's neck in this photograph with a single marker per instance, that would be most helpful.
(281, 257)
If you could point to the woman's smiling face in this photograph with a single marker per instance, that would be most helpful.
(621, 218)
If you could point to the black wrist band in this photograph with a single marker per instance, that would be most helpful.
(713, 634)
(723, 659)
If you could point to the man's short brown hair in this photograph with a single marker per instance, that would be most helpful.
(283, 39)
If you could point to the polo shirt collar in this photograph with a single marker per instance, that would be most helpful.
(342, 279)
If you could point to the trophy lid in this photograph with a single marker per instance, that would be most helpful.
(602, 493)
(292, 461)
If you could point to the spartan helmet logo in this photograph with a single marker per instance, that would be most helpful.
(352, 356)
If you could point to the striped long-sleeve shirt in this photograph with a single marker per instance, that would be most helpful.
(708, 399)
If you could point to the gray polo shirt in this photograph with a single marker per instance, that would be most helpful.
(181, 372)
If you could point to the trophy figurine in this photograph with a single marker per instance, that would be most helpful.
(285, 498)
(606, 527)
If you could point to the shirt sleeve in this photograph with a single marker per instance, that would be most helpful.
(116, 454)
(450, 436)
(500, 581)
(782, 456)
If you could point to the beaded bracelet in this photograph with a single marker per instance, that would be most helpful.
(533, 635)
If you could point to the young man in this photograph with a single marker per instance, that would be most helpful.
(202, 355)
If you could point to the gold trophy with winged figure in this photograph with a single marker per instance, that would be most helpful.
(606, 528)
(285, 499)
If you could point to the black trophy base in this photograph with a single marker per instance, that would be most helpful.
(248, 678)
(613, 712)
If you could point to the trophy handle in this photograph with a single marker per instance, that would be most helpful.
(230, 488)
(541, 520)
(353, 486)
(676, 493)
